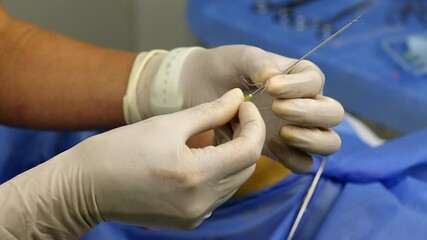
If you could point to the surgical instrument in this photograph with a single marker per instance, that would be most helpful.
(403, 11)
(307, 199)
(249, 96)
(286, 12)
(266, 6)
(325, 26)
(262, 6)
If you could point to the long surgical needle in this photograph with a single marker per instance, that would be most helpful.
(307, 199)
(248, 97)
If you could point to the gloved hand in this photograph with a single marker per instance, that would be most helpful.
(298, 118)
(142, 174)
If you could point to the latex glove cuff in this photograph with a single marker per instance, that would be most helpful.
(130, 106)
(165, 90)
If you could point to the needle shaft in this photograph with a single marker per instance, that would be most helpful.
(307, 199)
(311, 51)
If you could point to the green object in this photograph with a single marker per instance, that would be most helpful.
(409, 55)
(247, 98)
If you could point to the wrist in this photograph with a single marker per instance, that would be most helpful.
(50, 200)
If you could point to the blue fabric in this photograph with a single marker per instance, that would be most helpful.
(365, 193)
(22, 149)
(359, 72)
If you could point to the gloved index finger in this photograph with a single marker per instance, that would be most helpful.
(242, 151)
(256, 64)
(305, 80)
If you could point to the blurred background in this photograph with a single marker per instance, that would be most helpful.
(129, 25)
(377, 69)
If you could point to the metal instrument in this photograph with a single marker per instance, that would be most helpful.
(287, 70)
(403, 11)
(319, 172)
(307, 199)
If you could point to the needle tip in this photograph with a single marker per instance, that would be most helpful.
(357, 19)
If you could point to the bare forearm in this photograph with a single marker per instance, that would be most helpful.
(50, 81)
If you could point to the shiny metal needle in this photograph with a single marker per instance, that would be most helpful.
(248, 97)
(307, 198)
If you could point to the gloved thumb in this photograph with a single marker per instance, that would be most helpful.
(242, 151)
(209, 115)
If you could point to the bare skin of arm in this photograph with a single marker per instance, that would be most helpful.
(49, 81)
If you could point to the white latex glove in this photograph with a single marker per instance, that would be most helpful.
(298, 118)
(142, 174)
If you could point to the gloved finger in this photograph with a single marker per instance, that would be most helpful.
(255, 64)
(241, 152)
(311, 140)
(234, 181)
(296, 160)
(209, 115)
(321, 111)
(193, 223)
(229, 186)
(308, 82)
(225, 133)
(284, 63)
(219, 202)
